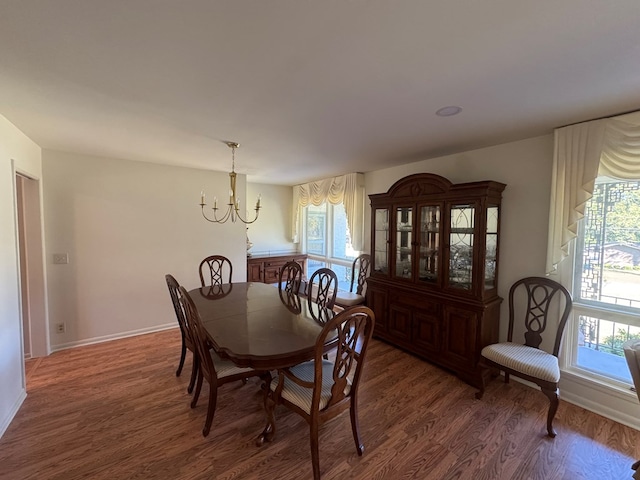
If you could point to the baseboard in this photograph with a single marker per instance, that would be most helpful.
(12, 413)
(614, 404)
(115, 336)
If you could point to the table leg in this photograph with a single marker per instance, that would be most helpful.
(269, 408)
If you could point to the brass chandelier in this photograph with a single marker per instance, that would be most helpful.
(233, 207)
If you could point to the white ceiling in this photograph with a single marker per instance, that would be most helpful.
(309, 88)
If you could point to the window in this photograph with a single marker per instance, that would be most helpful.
(607, 279)
(327, 241)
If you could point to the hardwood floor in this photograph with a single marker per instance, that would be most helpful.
(117, 411)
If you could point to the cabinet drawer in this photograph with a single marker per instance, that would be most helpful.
(418, 301)
(275, 264)
(272, 273)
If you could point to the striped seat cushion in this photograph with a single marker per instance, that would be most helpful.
(226, 368)
(301, 396)
(528, 360)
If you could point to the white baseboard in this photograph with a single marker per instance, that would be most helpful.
(615, 404)
(619, 405)
(12, 413)
(115, 336)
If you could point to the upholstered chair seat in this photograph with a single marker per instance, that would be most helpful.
(303, 396)
(523, 359)
(349, 299)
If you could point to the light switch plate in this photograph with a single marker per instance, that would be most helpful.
(60, 258)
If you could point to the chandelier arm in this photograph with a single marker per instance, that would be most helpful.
(247, 222)
(215, 218)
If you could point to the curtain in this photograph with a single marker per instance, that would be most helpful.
(608, 147)
(347, 189)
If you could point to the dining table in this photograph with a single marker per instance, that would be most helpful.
(261, 326)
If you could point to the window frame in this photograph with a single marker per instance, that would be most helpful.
(571, 270)
(328, 259)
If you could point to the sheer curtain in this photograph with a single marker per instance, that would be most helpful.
(582, 152)
(347, 189)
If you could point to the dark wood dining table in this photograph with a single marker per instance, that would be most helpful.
(255, 325)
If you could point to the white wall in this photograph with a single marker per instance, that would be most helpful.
(124, 225)
(17, 153)
(272, 232)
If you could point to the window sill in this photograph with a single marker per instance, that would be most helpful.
(600, 383)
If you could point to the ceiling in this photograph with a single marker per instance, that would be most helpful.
(310, 89)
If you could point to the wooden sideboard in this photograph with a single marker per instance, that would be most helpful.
(266, 268)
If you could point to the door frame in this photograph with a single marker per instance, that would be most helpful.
(31, 271)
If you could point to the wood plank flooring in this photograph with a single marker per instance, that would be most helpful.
(116, 410)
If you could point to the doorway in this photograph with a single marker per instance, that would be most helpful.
(31, 252)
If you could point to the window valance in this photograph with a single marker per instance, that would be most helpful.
(608, 147)
(347, 189)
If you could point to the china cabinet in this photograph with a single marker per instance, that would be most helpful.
(434, 273)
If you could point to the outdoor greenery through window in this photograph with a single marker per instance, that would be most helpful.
(607, 278)
(327, 241)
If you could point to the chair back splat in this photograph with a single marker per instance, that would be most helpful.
(322, 288)
(360, 272)
(215, 270)
(290, 279)
(320, 389)
(532, 301)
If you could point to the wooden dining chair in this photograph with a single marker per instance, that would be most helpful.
(185, 334)
(537, 297)
(323, 288)
(211, 367)
(320, 389)
(631, 349)
(290, 278)
(215, 270)
(359, 274)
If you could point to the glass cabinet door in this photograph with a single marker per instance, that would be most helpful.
(381, 241)
(429, 243)
(404, 242)
(461, 246)
(492, 247)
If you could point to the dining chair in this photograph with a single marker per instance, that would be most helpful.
(319, 390)
(631, 350)
(290, 278)
(217, 269)
(532, 300)
(359, 274)
(185, 334)
(212, 368)
(322, 288)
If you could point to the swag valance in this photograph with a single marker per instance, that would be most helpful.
(347, 189)
(582, 152)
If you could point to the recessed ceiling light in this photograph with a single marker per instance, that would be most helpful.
(449, 111)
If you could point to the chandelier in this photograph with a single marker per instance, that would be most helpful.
(233, 207)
